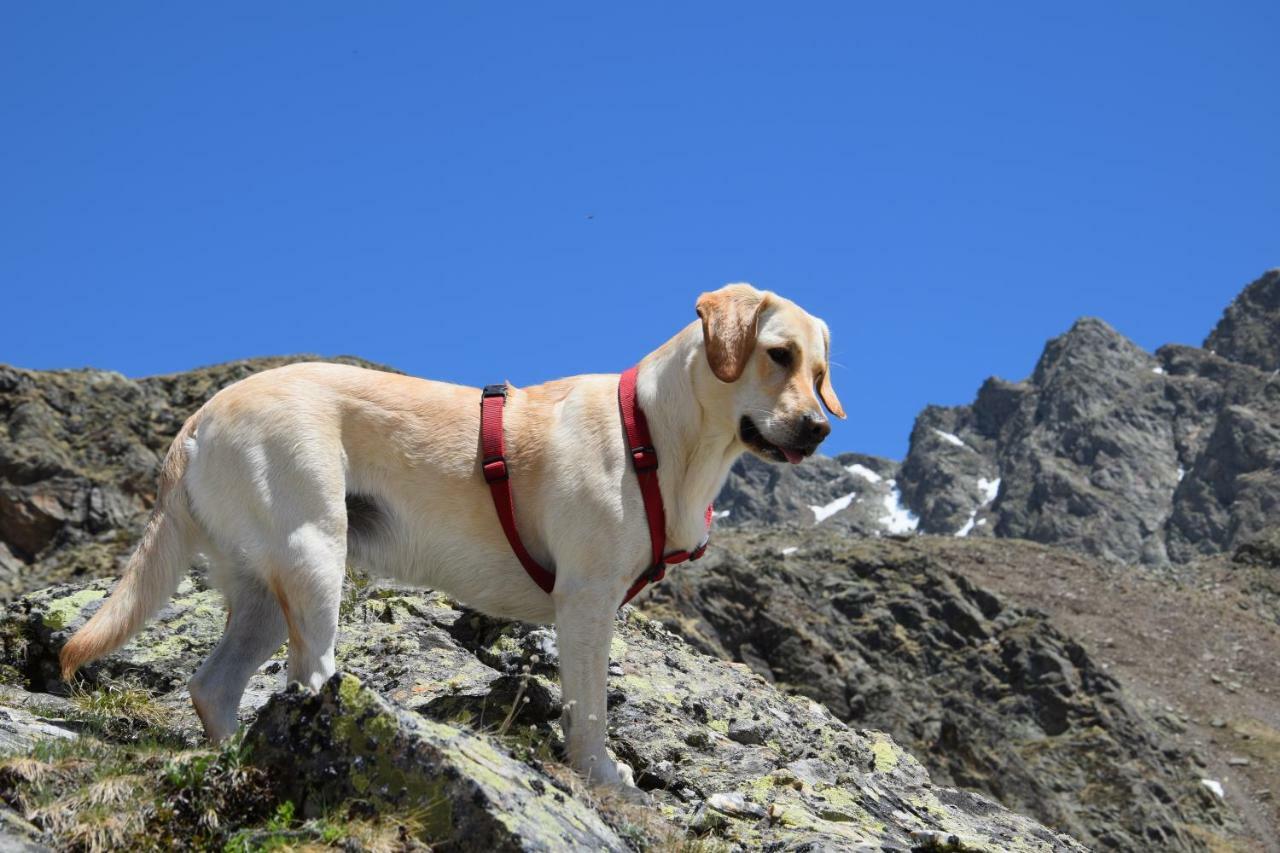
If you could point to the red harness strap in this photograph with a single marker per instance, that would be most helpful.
(493, 462)
(643, 458)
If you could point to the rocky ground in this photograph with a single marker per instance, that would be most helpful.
(904, 635)
(441, 731)
(1197, 651)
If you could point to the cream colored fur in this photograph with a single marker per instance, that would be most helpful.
(257, 482)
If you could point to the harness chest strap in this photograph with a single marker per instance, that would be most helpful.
(644, 459)
(493, 462)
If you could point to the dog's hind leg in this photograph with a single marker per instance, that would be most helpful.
(309, 590)
(255, 630)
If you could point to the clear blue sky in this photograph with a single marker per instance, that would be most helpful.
(473, 192)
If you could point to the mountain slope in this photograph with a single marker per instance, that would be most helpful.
(990, 696)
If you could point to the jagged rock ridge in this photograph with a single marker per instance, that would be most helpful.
(1249, 331)
(1105, 449)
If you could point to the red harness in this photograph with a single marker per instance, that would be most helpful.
(644, 459)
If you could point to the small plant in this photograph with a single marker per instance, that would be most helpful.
(340, 828)
(119, 710)
(283, 818)
(353, 592)
(526, 672)
(206, 796)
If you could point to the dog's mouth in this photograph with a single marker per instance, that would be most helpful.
(754, 439)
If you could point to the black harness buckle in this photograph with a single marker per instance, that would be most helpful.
(499, 390)
(644, 458)
(495, 469)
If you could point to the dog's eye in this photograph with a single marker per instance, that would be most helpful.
(781, 355)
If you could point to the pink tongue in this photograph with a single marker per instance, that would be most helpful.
(792, 456)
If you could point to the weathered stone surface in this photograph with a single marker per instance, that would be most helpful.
(818, 782)
(1262, 550)
(347, 742)
(950, 482)
(1084, 452)
(1249, 331)
(988, 696)
(721, 752)
(18, 835)
(20, 729)
(162, 657)
(397, 640)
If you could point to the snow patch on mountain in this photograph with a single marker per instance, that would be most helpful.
(899, 519)
(989, 489)
(864, 472)
(822, 513)
(950, 438)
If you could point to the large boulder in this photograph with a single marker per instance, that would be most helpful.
(347, 742)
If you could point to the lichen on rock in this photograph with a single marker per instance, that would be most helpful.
(347, 743)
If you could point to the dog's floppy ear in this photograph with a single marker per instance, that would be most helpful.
(825, 392)
(729, 317)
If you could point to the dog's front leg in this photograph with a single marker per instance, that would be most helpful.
(584, 631)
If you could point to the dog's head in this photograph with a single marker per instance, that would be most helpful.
(774, 358)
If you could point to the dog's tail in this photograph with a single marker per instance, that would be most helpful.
(154, 570)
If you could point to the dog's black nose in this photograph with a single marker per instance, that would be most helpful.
(815, 428)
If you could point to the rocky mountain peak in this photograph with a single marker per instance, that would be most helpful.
(1249, 331)
(1106, 449)
(1090, 347)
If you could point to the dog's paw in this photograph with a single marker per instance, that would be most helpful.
(623, 793)
(618, 784)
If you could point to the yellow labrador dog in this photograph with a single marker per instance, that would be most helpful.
(282, 478)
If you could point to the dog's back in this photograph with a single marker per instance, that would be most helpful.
(298, 470)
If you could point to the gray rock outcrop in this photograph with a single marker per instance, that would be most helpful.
(1249, 331)
(722, 754)
(1112, 451)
